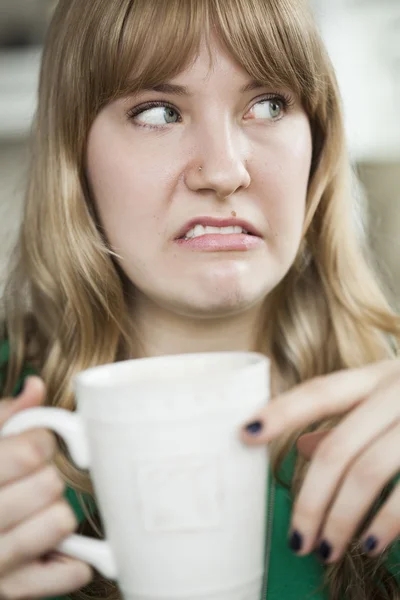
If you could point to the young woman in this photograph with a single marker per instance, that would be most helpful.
(190, 191)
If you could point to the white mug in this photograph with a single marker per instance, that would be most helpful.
(182, 499)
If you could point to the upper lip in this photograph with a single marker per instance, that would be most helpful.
(217, 222)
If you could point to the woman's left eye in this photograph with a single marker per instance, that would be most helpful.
(158, 114)
(269, 109)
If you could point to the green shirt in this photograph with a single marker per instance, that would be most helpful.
(290, 577)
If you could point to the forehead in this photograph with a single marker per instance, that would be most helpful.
(203, 41)
(212, 64)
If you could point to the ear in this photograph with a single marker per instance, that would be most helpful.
(309, 442)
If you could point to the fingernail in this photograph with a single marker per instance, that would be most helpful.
(370, 544)
(254, 428)
(296, 541)
(324, 550)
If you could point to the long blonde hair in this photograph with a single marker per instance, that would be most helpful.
(65, 302)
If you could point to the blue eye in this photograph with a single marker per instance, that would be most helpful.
(274, 108)
(157, 114)
(154, 114)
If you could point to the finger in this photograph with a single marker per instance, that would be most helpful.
(33, 394)
(58, 576)
(25, 453)
(335, 455)
(30, 495)
(385, 528)
(362, 485)
(317, 399)
(36, 536)
(309, 442)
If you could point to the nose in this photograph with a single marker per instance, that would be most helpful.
(220, 164)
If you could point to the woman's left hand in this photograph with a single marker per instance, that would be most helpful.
(350, 464)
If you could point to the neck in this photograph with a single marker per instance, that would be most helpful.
(162, 332)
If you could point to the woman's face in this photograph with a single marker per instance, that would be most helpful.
(155, 205)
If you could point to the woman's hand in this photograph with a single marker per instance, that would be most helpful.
(34, 517)
(350, 465)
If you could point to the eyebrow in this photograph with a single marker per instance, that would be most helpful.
(181, 90)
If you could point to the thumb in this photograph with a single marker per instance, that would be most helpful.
(309, 442)
(33, 394)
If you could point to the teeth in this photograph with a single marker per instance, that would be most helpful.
(199, 230)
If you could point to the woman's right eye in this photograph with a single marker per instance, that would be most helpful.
(154, 115)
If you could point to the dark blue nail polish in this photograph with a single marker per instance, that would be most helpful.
(296, 541)
(254, 428)
(370, 544)
(325, 550)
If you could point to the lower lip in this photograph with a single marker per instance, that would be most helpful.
(215, 242)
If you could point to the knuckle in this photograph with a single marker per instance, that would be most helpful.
(317, 386)
(51, 484)
(25, 543)
(314, 393)
(83, 574)
(17, 552)
(328, 452)
(44, 443)
(333, 451)
(27, 457)
(367, 472)
(317, 391)
(282, 413)
(64, 520)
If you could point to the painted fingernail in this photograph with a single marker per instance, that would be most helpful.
(370, 544)
(296, 541)
(254, 428)
(324, 550)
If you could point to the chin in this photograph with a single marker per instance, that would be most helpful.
(220, 300)
(214, 291)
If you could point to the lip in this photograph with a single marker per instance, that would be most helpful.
(215, 242)
(217, 222)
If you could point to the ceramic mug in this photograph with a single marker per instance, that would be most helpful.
(183, 501)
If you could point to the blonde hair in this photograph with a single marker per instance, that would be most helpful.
(65, 303)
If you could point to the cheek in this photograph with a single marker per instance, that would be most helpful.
(126, 189)
(286, 169)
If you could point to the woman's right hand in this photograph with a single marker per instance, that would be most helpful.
(34, 517)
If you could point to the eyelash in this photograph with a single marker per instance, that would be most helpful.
(286, 101)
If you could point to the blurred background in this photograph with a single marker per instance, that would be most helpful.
(363, 39)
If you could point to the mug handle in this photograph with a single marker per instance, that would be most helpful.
(70, 427)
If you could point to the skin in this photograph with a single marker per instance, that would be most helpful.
(35, 517)
(189, 302)
(351, 464)
(147, 185)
